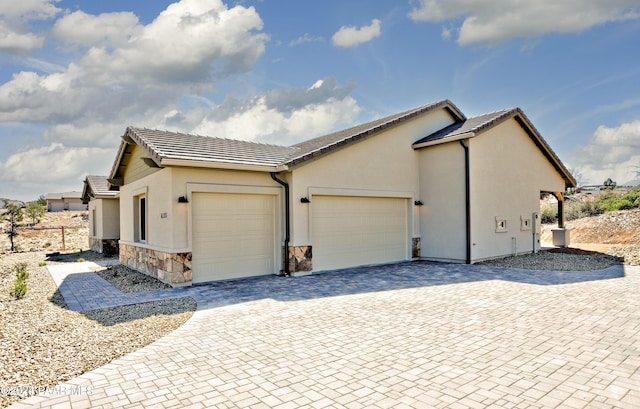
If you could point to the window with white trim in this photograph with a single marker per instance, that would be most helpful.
(140, 218)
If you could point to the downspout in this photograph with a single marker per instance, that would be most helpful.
(287, 225)
(467, 187)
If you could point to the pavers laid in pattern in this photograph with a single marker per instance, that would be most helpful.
(409, 335)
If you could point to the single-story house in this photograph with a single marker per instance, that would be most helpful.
(104, 215)
(426, 183)
(58, 202)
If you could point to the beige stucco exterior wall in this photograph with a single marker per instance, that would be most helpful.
(168, 221)
(508, 172)
(443, 216)
(59, 205)
(384, 165)
(104, 218)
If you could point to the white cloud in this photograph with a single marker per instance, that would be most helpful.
(350, 36)
(286, 116)
(611, 153)
(13, 42)
(183, 50)
(306, 38)
(105, 30)
(29, 9)
(187, 43)
(32, 172)
(14, 15)
(495, 21)
(128, 74)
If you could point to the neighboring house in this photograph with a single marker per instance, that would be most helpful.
(425, 183)
(58, 202)
(104, 215)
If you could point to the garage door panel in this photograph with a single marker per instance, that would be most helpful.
(233, 236)
(349, 231)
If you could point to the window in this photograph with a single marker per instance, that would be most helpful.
(94, 220)
(140, 218)
(501, 224)
(525, 223)
(143, 218)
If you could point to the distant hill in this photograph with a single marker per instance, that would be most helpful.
(632, 183)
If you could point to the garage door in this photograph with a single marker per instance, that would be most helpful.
(350, 231)
(233, 236)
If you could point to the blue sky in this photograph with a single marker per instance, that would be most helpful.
(74, 74)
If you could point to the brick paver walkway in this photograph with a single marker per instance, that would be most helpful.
(406, 335)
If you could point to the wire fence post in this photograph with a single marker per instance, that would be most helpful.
(63, 246)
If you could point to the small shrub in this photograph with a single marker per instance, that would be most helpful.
(617, 203)
(42, 264)
(20, 285)
(80, 260)
(591, 208)
(47, 245)
(549, 213)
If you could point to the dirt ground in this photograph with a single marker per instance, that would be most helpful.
(620, 227)
(47, 235)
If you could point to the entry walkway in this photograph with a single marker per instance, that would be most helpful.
(404, 335)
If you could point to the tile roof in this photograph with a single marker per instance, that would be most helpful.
(99, 186)
(165, 145)
(174, 148)
(470, 125)
(473, 126)
(65, 195)
(180, 149)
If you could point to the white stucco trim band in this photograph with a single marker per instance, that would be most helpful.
(154, 247)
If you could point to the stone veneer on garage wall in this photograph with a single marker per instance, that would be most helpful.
(415, 247)
(108, 247)
(300, 259)
(171, 268)
(175, 268)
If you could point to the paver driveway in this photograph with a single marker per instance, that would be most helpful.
(406, 335)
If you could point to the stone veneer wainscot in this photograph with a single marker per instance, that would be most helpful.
(108, 247)
(170, 268)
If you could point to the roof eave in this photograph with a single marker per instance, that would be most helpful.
(524, 122)
(447, 105)
(223, 165)
(453, 138)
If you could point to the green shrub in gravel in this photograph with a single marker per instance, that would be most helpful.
(20, 285)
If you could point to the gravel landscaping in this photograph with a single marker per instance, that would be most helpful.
(42, 343)
(559, 259)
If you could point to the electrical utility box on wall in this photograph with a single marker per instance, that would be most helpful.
(536, 229)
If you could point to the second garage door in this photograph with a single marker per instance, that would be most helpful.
(233, 236)
(350, 231)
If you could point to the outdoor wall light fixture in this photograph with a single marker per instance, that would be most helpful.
(305, 200)
(418, 203)
(183, 199)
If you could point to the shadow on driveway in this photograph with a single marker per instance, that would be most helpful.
(85, 291)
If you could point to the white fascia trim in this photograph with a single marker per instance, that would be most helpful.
(445, 140)
(223, 165)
